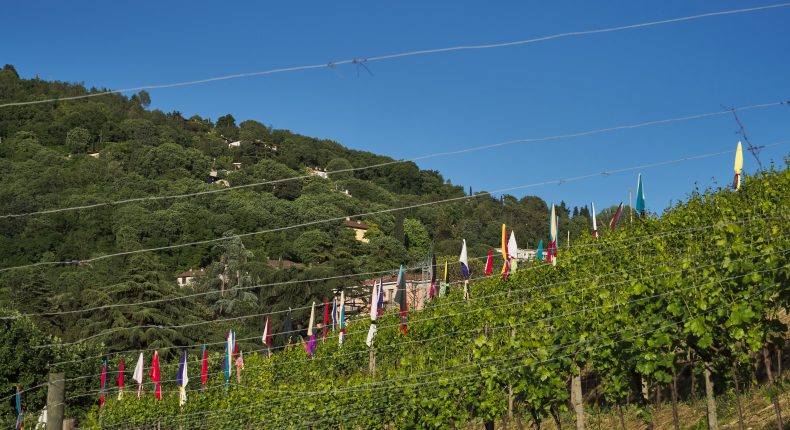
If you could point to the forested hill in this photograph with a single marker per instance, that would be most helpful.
(113, 147)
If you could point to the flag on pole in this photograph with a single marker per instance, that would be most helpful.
(464, 260)
(310, 335)
(18, 410)
(137, 376)
(204, 368)
(267, 336)
(512, 251)
(736, 183)
(616, 217)
(374, 295)
(551, 255)
(341, 338)
(539, 252)
(103, 382)
(640, 197)
(334, 313)
(326, 318)
(182, 379)
(120, 379)
(400, 298)
(445, 284)
(595, 223)
(490, 262)
(156, 376)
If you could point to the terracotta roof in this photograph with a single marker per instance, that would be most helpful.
(356, 224)
(191, 273)
(388, 279)
(286, 264)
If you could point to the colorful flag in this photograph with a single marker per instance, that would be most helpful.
(204, 368)
(240, 366)
(512, 248)
(120, 379)
(380, 307)
(506, 264)
(156, 376)
(182, 379)
(595, 223)
(310, 335)
(443, 290)
(267, 334)
(400, 298)
(137, 376)
(551, 255)
(490, 262)
(432, 292)
(341, 338)
(539, 252)
(334, 313)
(464, 260)
(640, 197)
(373, 314)
(18, 410)
(736, 183)
(616, 217)
(326, 318)
(228, 364)
(103, 382)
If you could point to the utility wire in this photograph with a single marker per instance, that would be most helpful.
(376, 212)
(410, 54)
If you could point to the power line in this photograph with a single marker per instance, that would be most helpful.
(361, 60)
(376, 212)
(419, 158)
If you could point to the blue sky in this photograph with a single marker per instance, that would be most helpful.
(419, 105)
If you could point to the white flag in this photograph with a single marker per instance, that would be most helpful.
(312, 321)
(374, 299)
(371, 334)
(512, 250)
(138, 370)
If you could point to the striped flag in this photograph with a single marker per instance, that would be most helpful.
(443, 290)
(342, 319)
(182, 379)
(616, 217)
(228, 364)
(380, 306)
(432, 292)
(506, 264)
(334, 313)
(736, 182)
(464, 260)
(310, 335)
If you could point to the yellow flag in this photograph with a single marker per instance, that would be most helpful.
(445, 271)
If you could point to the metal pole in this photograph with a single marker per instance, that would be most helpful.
(56, 396)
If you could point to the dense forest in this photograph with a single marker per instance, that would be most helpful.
(113, 153)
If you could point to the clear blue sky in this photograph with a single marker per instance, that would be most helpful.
(420, 105)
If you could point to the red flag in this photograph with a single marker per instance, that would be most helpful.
(326, 316)
(616, 217)
(120, 376)
(204, 368)
(103, 381)
(490, 262)
(155, 376)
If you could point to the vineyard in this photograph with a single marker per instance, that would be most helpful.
(696, 294)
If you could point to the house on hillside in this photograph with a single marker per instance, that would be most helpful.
(521, 254)
(234, 144)
(186, 278)
(237, 166)
(318, 172)
(283, 264)
(359, 228)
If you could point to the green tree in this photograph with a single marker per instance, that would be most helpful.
(78, 140)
